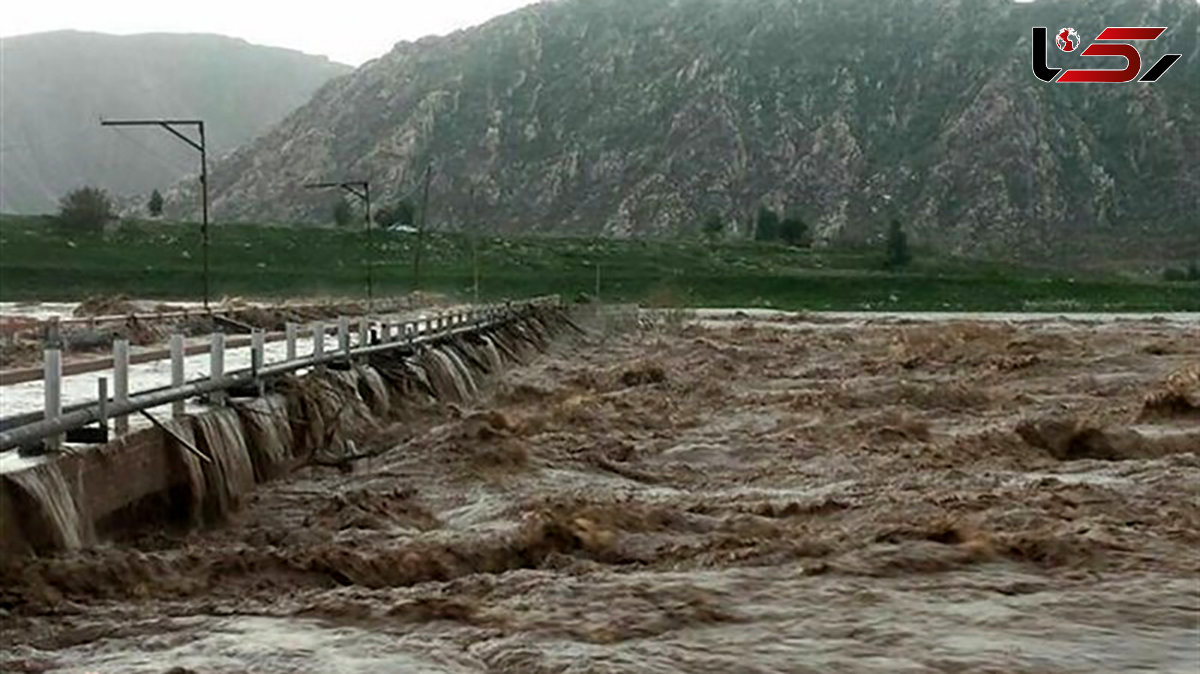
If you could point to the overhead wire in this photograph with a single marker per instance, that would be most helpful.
(175, 164)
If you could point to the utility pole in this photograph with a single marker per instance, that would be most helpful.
(421, 229)
(474, 225)
(362, 190)
(475, 265)
(201, 147)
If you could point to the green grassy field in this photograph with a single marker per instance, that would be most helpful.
(38, 260)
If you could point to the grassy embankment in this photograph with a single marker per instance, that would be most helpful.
(40, 261)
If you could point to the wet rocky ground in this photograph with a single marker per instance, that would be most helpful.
(782, 495)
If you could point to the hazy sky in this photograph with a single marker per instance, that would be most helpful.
(350, 31)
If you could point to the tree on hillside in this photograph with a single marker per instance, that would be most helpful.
(1193, 272)
(85, 208)
(155, 205)
(793, 231)
(766, 227)
(401, 213)
(342, 213)
(898, 255)
(383, 217)
(713, 227)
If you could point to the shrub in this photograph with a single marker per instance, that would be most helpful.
(85, 208)
(794, 231)
(898, 254)
(767, 226)
(342, 213)
(402, 213)
(713, 227)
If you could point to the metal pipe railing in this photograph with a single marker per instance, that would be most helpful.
(36, 324)
(26, 374)
(51, 427)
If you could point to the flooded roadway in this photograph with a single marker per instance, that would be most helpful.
(735, 496)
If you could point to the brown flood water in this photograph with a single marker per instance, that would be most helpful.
(849, 497)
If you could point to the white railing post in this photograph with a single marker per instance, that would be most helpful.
(217, 363)
(290, 335)
(121, 381)
(102, 403)
(318, 336)
(344, 335)
(217, 356)
(52, 390)
(364, 331)
(177, 374)
(258, 342)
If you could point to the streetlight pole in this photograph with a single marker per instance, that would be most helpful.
(362, 190)
(421, 229)
(201, 147)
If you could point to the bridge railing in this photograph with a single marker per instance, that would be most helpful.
(47, 429)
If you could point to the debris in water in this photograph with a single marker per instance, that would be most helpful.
(849, 496)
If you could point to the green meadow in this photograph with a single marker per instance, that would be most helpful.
(39, 260)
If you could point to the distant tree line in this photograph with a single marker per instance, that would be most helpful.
(788, 229)
(791, 229)
(768, 226)
(1192, 273)
(401, 213)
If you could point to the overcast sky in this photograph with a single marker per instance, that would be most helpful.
(351, 31)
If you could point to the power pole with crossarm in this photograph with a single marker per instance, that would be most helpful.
(362, 190)
(201, 147)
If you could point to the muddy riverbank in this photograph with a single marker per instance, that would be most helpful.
(730, 497)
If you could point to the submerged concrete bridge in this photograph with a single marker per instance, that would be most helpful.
(193, 464)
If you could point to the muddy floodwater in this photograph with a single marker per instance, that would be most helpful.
(775, 495)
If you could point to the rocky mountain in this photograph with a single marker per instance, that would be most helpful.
(54, 87)
(641, 117)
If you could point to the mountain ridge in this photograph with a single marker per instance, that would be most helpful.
(622, 118)
(57, 85)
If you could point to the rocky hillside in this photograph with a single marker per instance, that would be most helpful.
(54, 87)
(641, 117)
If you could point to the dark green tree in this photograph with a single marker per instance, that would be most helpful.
(85, 208)
(1193, 272)
(713, 227)
(898, 254)
(401, 213)
(794, 231)
(342, 214)
(766, 227)
(383, 216)
(155, 205)
(405, 213)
